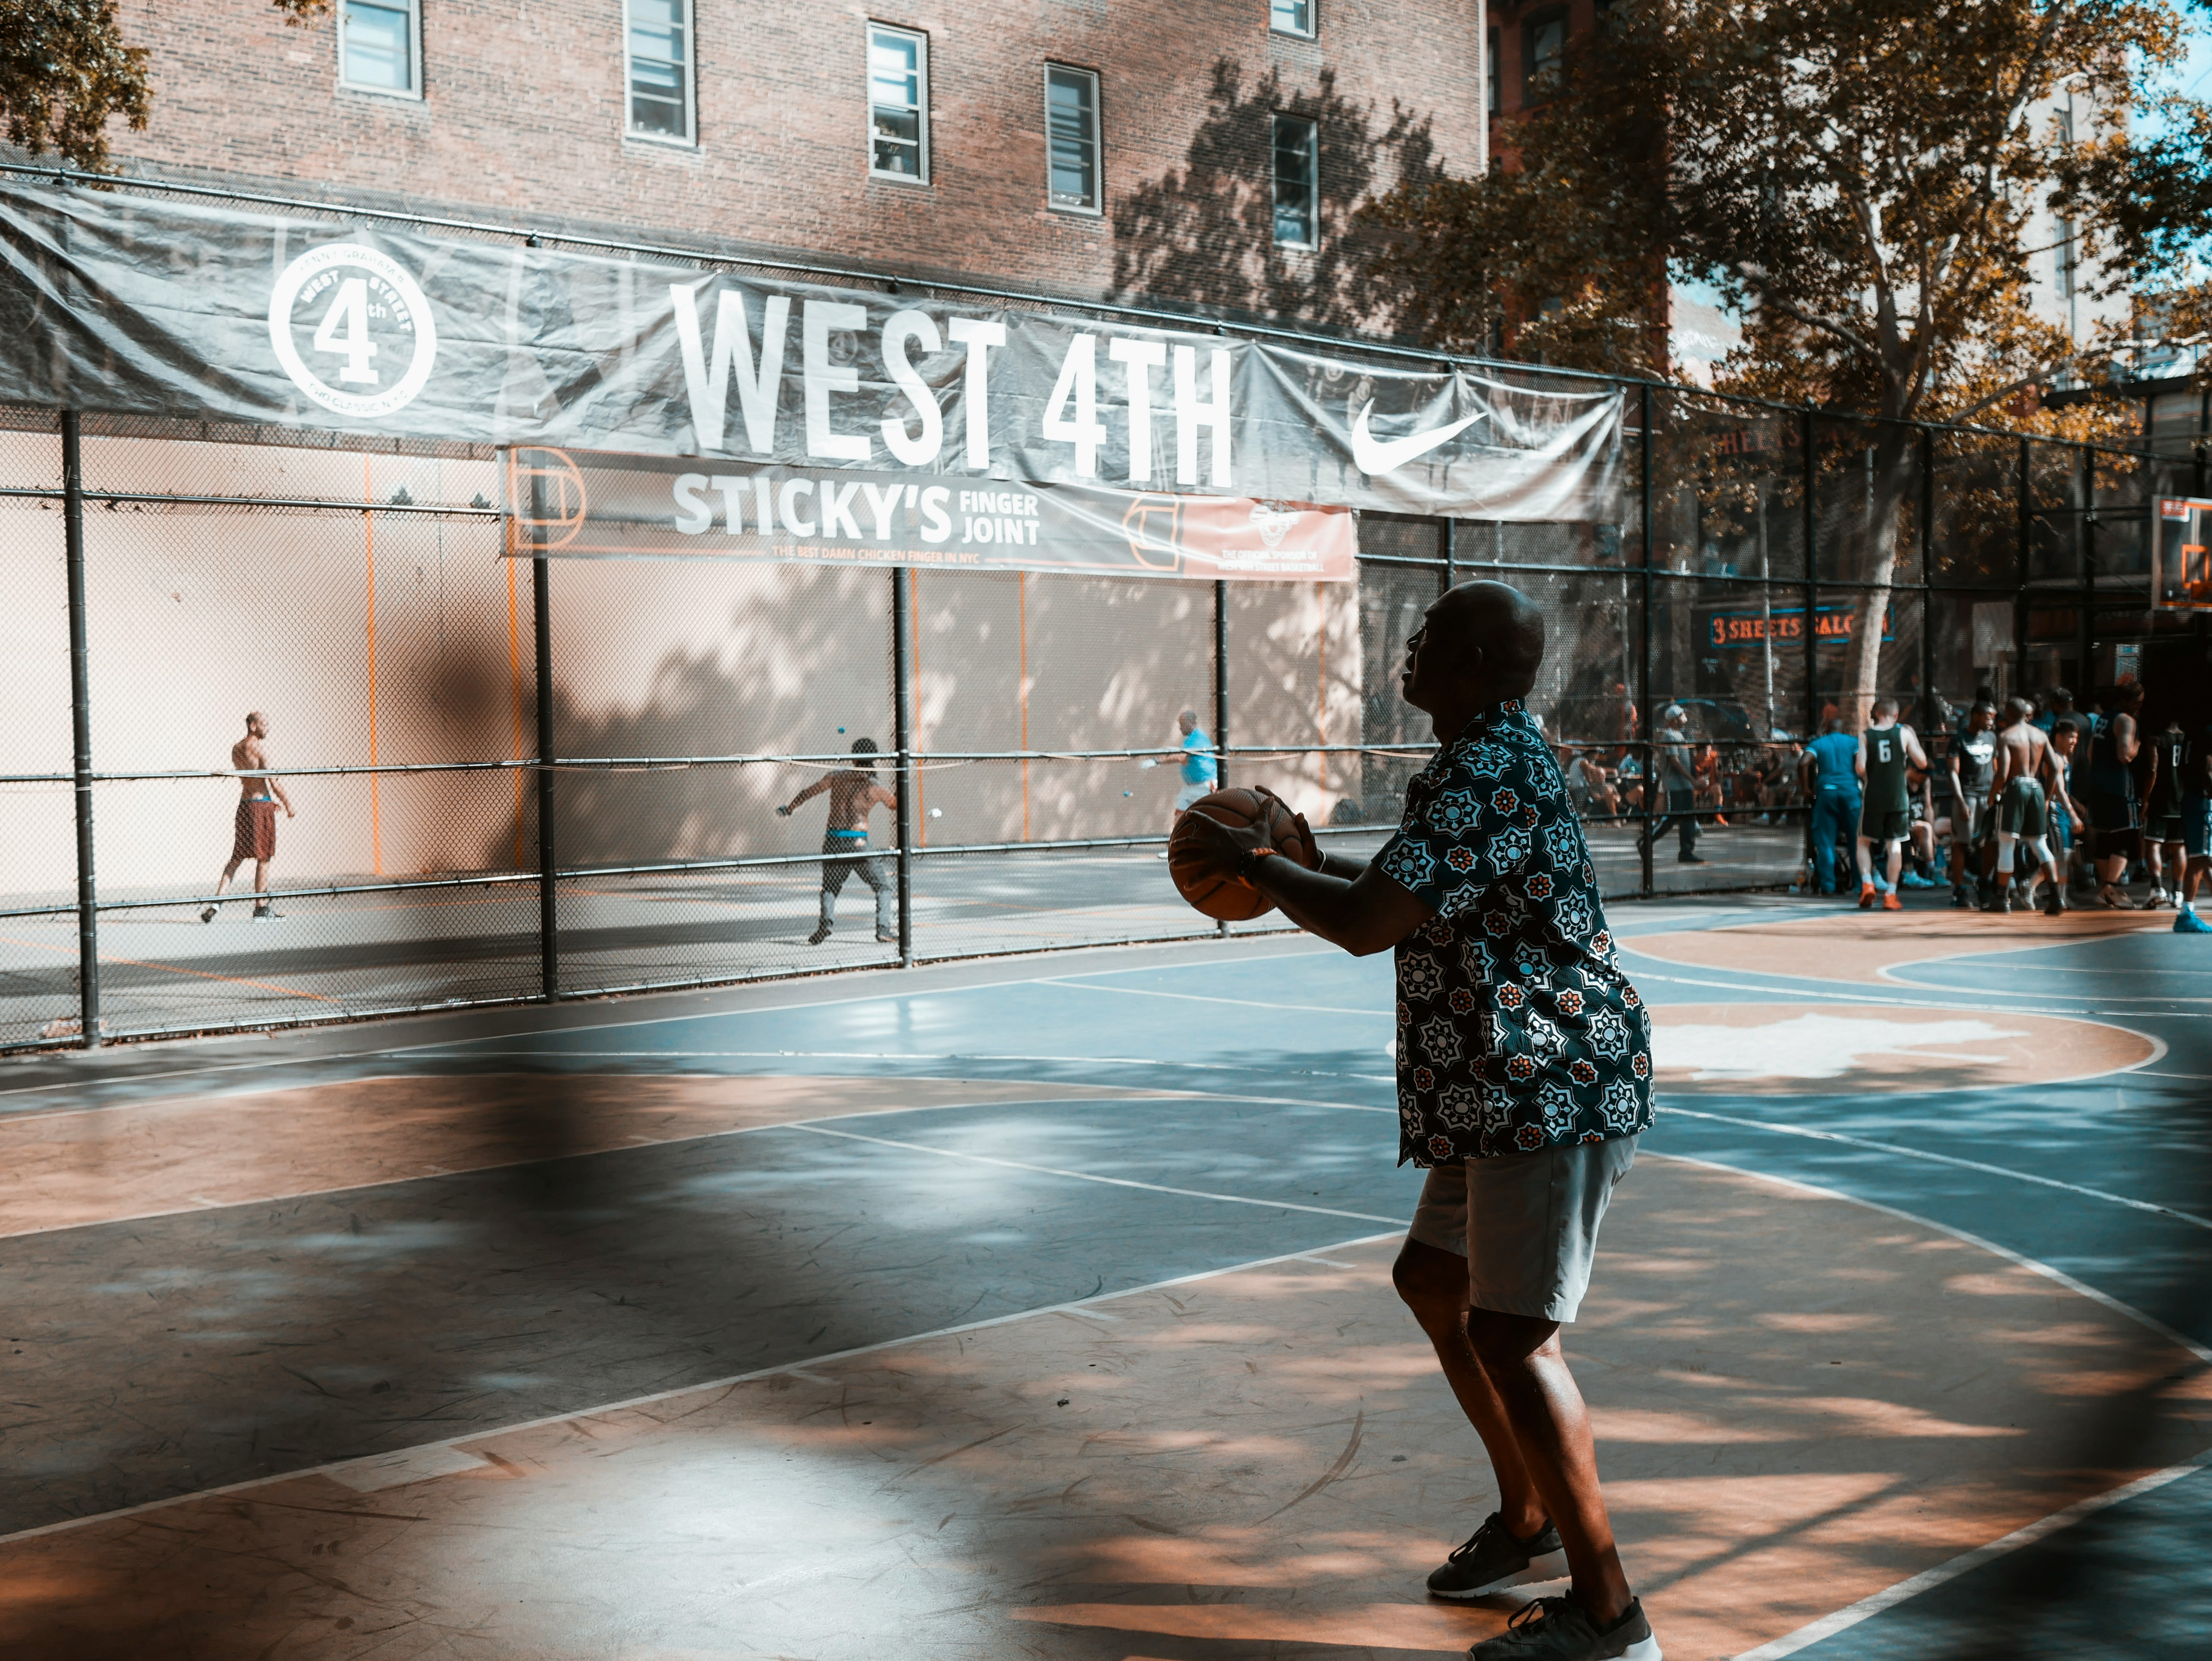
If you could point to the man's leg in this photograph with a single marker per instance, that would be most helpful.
(222, 886)
(261, 876)
(871, 873)
(833, 873)
(1521, 1358)
(1433, 1284)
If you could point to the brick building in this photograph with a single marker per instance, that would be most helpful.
(1207, 154)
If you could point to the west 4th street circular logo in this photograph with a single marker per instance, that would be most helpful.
(366, 326)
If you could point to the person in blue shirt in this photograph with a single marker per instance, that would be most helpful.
(1828, 773)
(1199, 769)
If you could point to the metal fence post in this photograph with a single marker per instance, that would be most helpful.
(87, 913)
(2085, 550)
(1452, 556)
(548, 897)
(2027, 565)
(1809, 466)
(901, 738)
(1644, 842)
(1221, 699)
(1930, 719)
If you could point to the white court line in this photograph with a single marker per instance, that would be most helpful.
(1928, 1580)
(2081, 1288)
(1245, 1003)
(613, 1026)
(902, 1055)
(1946, 1158)
(1128, 1096)
(1091, 1176)
(1073, 1306)
(1963, 1001)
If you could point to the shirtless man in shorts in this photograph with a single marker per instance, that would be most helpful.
(253, 827)
(2022, 806)
(853, 796)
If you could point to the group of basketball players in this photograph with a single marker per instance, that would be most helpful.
(2021, 798)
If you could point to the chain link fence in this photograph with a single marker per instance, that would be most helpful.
(499, 780)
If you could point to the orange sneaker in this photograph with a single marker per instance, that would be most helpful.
(1891, 902)
(1866, 897)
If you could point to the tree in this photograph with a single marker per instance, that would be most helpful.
(1869, 184)
(65, 72)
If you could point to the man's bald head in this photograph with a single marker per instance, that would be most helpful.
(1502, 623)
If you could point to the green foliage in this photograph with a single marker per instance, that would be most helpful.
(65, 72)
(1860, 179)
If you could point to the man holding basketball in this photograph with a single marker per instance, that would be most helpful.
(1524, 1080)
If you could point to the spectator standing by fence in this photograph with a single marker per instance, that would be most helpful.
(1675, 774)
(1827, 773)
(1965, 811)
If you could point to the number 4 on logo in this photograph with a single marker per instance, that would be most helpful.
(348, 313)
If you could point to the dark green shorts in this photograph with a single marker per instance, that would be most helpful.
(1893, 825)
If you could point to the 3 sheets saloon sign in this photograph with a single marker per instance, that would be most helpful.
(146, 304)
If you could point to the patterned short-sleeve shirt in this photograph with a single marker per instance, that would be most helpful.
(1517, 1029)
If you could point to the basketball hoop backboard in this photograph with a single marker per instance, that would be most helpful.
(2181, 569)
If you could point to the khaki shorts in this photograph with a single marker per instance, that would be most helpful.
(1526, 1223)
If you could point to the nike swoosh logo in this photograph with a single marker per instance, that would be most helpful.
(1375, 455)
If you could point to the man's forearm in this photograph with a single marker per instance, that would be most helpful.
(1340, 865)
(1322, 903)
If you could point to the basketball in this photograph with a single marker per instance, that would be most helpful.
(1228, 898)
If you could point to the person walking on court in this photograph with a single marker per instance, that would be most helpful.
(1972, 762)
(1676, 774)
(2108, 794)
(2195, 829)
(2162, 837)
(1199, 769)
(1524, 1082)
(253, 826)
(854, 795)
(1827, 772)
(2022, 807)
(1885, 749)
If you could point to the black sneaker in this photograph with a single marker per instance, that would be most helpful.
(1558, 1629)
(208, 915)
(818, 935)
(1689, 859)
(263, 912)
(1490, 1559)
(886, 937)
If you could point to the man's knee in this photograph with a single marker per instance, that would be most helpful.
(1500, 1340)
(1432, 1282)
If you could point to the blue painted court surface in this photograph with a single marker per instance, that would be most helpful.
(239, 1343)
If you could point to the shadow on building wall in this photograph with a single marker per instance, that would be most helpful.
(1204, 236)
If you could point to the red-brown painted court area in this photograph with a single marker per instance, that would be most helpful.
(1042, 1308)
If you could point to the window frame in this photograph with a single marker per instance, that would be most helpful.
(1312, 30)
(1530, 97)
(1096, 208)
(1493, 72)
(414, 94)
(630, 130)
(1275, 180)
(922, 135)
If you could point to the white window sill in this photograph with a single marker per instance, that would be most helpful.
(381, 91)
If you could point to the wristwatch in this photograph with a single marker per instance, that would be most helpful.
(1249, 862)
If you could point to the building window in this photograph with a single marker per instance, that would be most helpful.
(1489, 78)
(899, 104)
(1297, 211)
(380, 47)
(1543, 55)
(659, 69)
(1071, 124)
(1292, 17)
